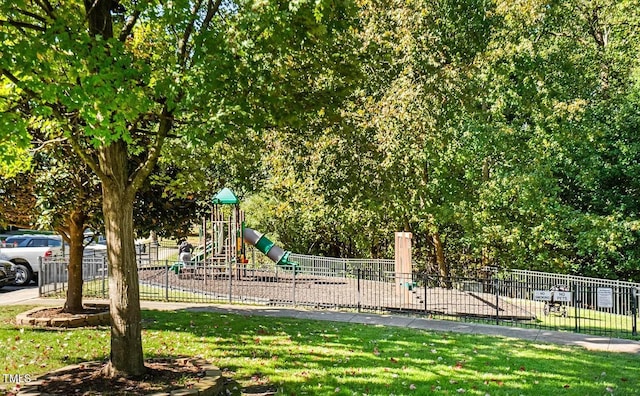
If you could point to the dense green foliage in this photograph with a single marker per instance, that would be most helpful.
(126, 82)
(498, 132)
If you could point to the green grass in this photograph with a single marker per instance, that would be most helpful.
(301, 357)
(588, 321)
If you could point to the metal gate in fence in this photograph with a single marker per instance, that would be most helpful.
(513, 298)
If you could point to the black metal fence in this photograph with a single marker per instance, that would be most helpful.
(513, 298)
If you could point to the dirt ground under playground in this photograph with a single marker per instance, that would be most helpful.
(273, 288)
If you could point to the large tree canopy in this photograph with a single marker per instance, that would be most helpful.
(499, 132)
(119, 80)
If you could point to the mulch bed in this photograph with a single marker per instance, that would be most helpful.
(58, 312)
(162, 375)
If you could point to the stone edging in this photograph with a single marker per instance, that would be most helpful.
(78, 320)
(211, 384)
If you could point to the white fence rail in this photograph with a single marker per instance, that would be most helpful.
(586, 291)
(332, 266)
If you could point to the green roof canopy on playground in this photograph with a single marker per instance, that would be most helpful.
(225, 197)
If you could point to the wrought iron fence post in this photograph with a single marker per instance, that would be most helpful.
(105, 275)
(359, 299)
(54, 273)
(425, 279)
(202, 264)
(497, 293)
(229, 269)
(575, 308)
(294, 287)
(634, 310)
(40, 277)
(166, 280)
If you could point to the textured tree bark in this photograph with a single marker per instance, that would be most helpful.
(99, 17)
(443, 269)
(486, 173)
(126, 332)
(75, 232)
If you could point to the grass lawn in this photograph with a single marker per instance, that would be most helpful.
(301, 357)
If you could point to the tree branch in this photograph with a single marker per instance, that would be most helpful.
(128, 26)
(44, 144)
(31, 15)
(46, 7)
(86, 158)
(568, 35)
(212, 9)
(183, 44)
(145, 168)
(64, 233)
(89, 9)
(91, 163)
(18, 83)
(22, 25)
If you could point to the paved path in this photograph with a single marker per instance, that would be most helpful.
(30, 297)
(12, 295)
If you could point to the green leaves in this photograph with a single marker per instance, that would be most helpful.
(506, 127)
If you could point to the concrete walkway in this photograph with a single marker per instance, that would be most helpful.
(590, 342)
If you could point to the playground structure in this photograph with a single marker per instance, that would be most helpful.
(224, 240)
(220, 264)
(225, 236)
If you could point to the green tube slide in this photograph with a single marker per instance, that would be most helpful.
(265, 246)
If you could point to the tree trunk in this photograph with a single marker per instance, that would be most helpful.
(443, 269)
(126, 332)
(118, 194)
(75, 233)
(485, 178)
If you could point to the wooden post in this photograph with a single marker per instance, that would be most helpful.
(404, 280)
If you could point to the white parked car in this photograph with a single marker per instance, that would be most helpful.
(26, 252)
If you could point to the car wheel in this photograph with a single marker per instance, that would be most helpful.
(23, 275)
